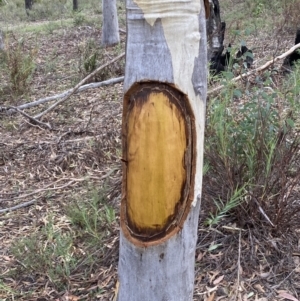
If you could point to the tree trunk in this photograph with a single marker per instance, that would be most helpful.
(215, 30)
(75, 5)
(28, 4)
(1, 41)
(162, 137)
(110, 27)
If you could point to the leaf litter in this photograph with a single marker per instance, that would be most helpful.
(84, 151)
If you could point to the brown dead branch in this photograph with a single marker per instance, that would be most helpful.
(32, 119)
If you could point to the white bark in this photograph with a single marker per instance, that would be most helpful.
(166, 42)
(110, 27)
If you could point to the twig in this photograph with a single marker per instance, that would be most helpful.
(78, 86)
(238, 267)
(108, 82)
(39, 190)
(73, 180)
(259, 69)
(263, 212)
(18, 206)
(32, 119)
(288, 276)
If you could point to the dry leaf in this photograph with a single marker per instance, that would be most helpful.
(259, 288)
(287, 296)
(200, 256)
(264, 275)
(218, 280)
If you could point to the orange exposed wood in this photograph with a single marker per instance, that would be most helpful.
(157, 152)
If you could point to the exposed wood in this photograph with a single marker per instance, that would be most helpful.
(163, 113)
(157, 181)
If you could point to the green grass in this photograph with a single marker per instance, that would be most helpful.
(252, 148)
(51, 251)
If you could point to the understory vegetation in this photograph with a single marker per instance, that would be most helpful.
(65, 245)
(253, 149)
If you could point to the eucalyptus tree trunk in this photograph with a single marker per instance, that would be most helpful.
(75, 5)
(162, 137)
(110, 27)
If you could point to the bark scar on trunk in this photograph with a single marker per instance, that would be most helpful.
(158, 148)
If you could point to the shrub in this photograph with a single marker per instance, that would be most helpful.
(253, 149)
(19, 63)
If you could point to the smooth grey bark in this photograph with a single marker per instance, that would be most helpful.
(110, 25)
(166, 43)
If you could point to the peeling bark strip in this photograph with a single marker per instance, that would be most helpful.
(162, 138)
(158, 155)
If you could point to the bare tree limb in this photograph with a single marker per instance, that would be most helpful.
(78, 86)
(18, 206)
(259, 69)
(32, 119)
(111, 81)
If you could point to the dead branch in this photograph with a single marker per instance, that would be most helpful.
(41, 190)
(32, 119)
(108, 82)
(79, 85)
(259, 69)
(18, 206)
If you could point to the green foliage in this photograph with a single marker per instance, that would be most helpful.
(252, 144)
(93, 218)
(224, 208)
(91, 55)
(79, 19)
(88, 56)
(19, 64)
(51, 250)
(48, 251)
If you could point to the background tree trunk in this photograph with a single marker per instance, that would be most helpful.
(75, 5)
(110, 27)
(162, 131)
(215, 30)
(1, 40)
(28, 4)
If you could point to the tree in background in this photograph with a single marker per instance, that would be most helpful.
(110, 25)
(75, 5)
(28, 4)
(162, 138)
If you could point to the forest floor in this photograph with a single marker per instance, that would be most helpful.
(63, 244)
